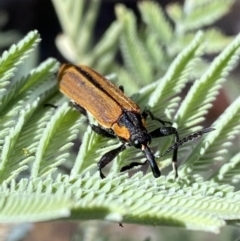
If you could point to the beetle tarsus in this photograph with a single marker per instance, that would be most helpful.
(175, 168)
(101, 174)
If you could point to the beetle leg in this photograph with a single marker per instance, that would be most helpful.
(166, 131)
(108, 157)
(78, 107)
(147, 113)
(102, 132)
(95, 128)
(131, 165)
(121, 88)
(50, 105)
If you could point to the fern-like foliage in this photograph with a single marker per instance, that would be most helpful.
(41, 178)
(148, 53)
(76, 43)
(214, 147)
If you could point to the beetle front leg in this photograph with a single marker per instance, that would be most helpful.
(108, 157)
(147, 113)
(167, 131)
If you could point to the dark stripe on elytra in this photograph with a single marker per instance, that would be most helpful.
(95, 83)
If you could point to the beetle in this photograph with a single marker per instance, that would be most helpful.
(117, 116)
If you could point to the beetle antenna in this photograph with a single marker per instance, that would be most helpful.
(187, 138)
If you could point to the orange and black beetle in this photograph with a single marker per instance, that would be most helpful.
(117, 115)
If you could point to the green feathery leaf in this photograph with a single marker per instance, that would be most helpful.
(215, 144)
(134, 55)
(141, 199)
(56, 141)
(229, 172)
(14, 57)
(176, 77)
(199, 13)
(154, 17)
(204, 91)
(103, 53)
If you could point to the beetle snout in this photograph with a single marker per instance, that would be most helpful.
(151, 160)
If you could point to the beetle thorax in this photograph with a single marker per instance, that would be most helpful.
(130, 128)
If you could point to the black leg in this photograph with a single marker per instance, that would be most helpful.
(95, 128)
(147, 113)
(50, 105)
(102, 132)
(78, 107)
(163, 131)
(166, 131)
(174, 160)
(131, 165)
(121, 88)
(108, 157)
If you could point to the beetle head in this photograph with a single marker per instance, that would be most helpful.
(141, 140)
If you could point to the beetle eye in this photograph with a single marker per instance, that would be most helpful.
(137, 144)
